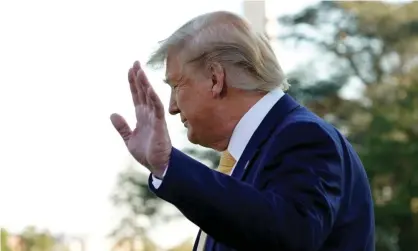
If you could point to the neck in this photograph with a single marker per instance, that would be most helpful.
(234, 106)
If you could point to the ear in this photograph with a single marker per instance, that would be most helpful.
(218, 79)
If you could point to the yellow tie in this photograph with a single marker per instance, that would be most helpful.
(226, 163)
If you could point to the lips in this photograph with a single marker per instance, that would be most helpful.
(183, 120)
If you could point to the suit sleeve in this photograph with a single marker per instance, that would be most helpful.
(292, 206)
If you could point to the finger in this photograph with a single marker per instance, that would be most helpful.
(136, 66)
(137, 95)
(134, 91)
(156, 103)
(142, 84)
(121, 126)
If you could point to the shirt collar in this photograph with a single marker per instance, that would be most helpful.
(251, 120)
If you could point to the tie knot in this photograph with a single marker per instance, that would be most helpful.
(226, 162)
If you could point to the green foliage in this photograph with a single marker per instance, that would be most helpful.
(142, 209)
(32, 239)
(138, 203)
(376, 44)
(3, 240)
(38, 240)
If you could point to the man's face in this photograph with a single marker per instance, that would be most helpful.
(193, 98)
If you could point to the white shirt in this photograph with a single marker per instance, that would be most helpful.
(246, 127)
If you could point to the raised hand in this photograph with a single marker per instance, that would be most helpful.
(149, 143)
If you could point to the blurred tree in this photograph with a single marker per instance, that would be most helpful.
(37, 240)
(4, 240)
(139, 204)
(374, 44)
(143, 211)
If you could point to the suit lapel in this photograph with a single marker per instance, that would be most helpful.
(279, 111)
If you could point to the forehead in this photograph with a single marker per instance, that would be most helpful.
(173, 69)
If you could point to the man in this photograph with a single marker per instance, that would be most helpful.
(289, 181)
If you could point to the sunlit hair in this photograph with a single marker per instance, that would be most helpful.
(225, 38)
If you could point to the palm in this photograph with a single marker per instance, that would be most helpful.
(148, 140)
(149, 143)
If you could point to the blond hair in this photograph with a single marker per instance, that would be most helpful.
(225, 38)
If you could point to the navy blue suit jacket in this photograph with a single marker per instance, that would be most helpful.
(298, 186)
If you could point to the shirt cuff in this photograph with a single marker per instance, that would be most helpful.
(156, 182)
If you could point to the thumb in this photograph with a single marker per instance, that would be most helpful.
(121, 126)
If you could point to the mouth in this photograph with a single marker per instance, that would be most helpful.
(185, 123)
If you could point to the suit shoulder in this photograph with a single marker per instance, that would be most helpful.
(305, 122)
(305, 129)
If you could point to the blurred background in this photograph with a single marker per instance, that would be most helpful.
(68, 183)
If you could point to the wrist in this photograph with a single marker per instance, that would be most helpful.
(159, 170)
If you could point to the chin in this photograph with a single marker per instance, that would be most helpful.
(191, 136)
(196, 140)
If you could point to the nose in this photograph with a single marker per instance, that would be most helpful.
(173, 109)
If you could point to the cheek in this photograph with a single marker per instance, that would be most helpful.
(181, 99)
(192, 105)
